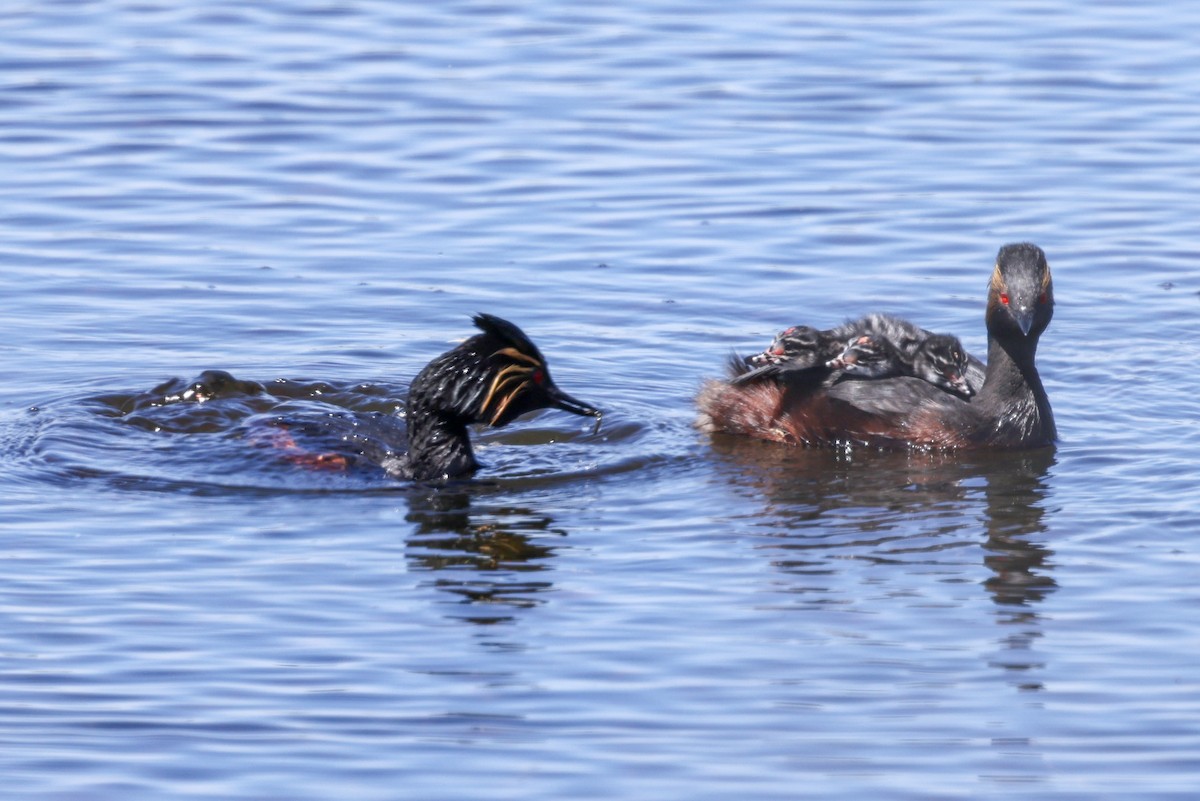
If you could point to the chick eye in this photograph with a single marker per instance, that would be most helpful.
(1004, 298)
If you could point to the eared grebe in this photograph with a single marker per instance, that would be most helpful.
(1009, 409)
(492, 378)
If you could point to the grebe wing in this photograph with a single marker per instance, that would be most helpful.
(893, 397)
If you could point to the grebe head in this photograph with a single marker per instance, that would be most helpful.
(942, 361)
(492, 378)
(1021, 293)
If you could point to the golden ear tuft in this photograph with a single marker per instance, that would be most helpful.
(510, 382)
(518, 356)
(997, 282)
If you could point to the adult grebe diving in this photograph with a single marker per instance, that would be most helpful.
(1010, 409)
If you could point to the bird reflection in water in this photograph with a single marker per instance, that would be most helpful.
(1020, 564)
(821, 507)
(487, 556)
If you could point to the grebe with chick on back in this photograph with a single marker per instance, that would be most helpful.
(1009, 409)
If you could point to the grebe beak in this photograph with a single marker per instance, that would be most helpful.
(561, 400)
(1024, 318)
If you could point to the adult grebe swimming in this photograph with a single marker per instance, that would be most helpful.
(1010, 409)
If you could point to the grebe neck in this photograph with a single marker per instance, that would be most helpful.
(1012, 399)
(438, 446)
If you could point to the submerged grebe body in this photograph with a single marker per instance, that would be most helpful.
(1009, 409)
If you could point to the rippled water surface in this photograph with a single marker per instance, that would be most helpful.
(315, 197)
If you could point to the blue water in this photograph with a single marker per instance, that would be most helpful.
(317, 196)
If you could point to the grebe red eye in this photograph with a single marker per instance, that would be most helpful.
(1004, 298)
(1042, 298)
(539, 377)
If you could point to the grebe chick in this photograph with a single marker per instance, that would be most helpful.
(942, 361)
(800, 343)
(879, 346)
(797, 348)
(939, 359)
(869, 356)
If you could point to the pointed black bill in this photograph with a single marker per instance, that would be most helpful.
(1024, 317)
(561, 400)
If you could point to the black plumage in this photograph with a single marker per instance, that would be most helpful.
(491, 378)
